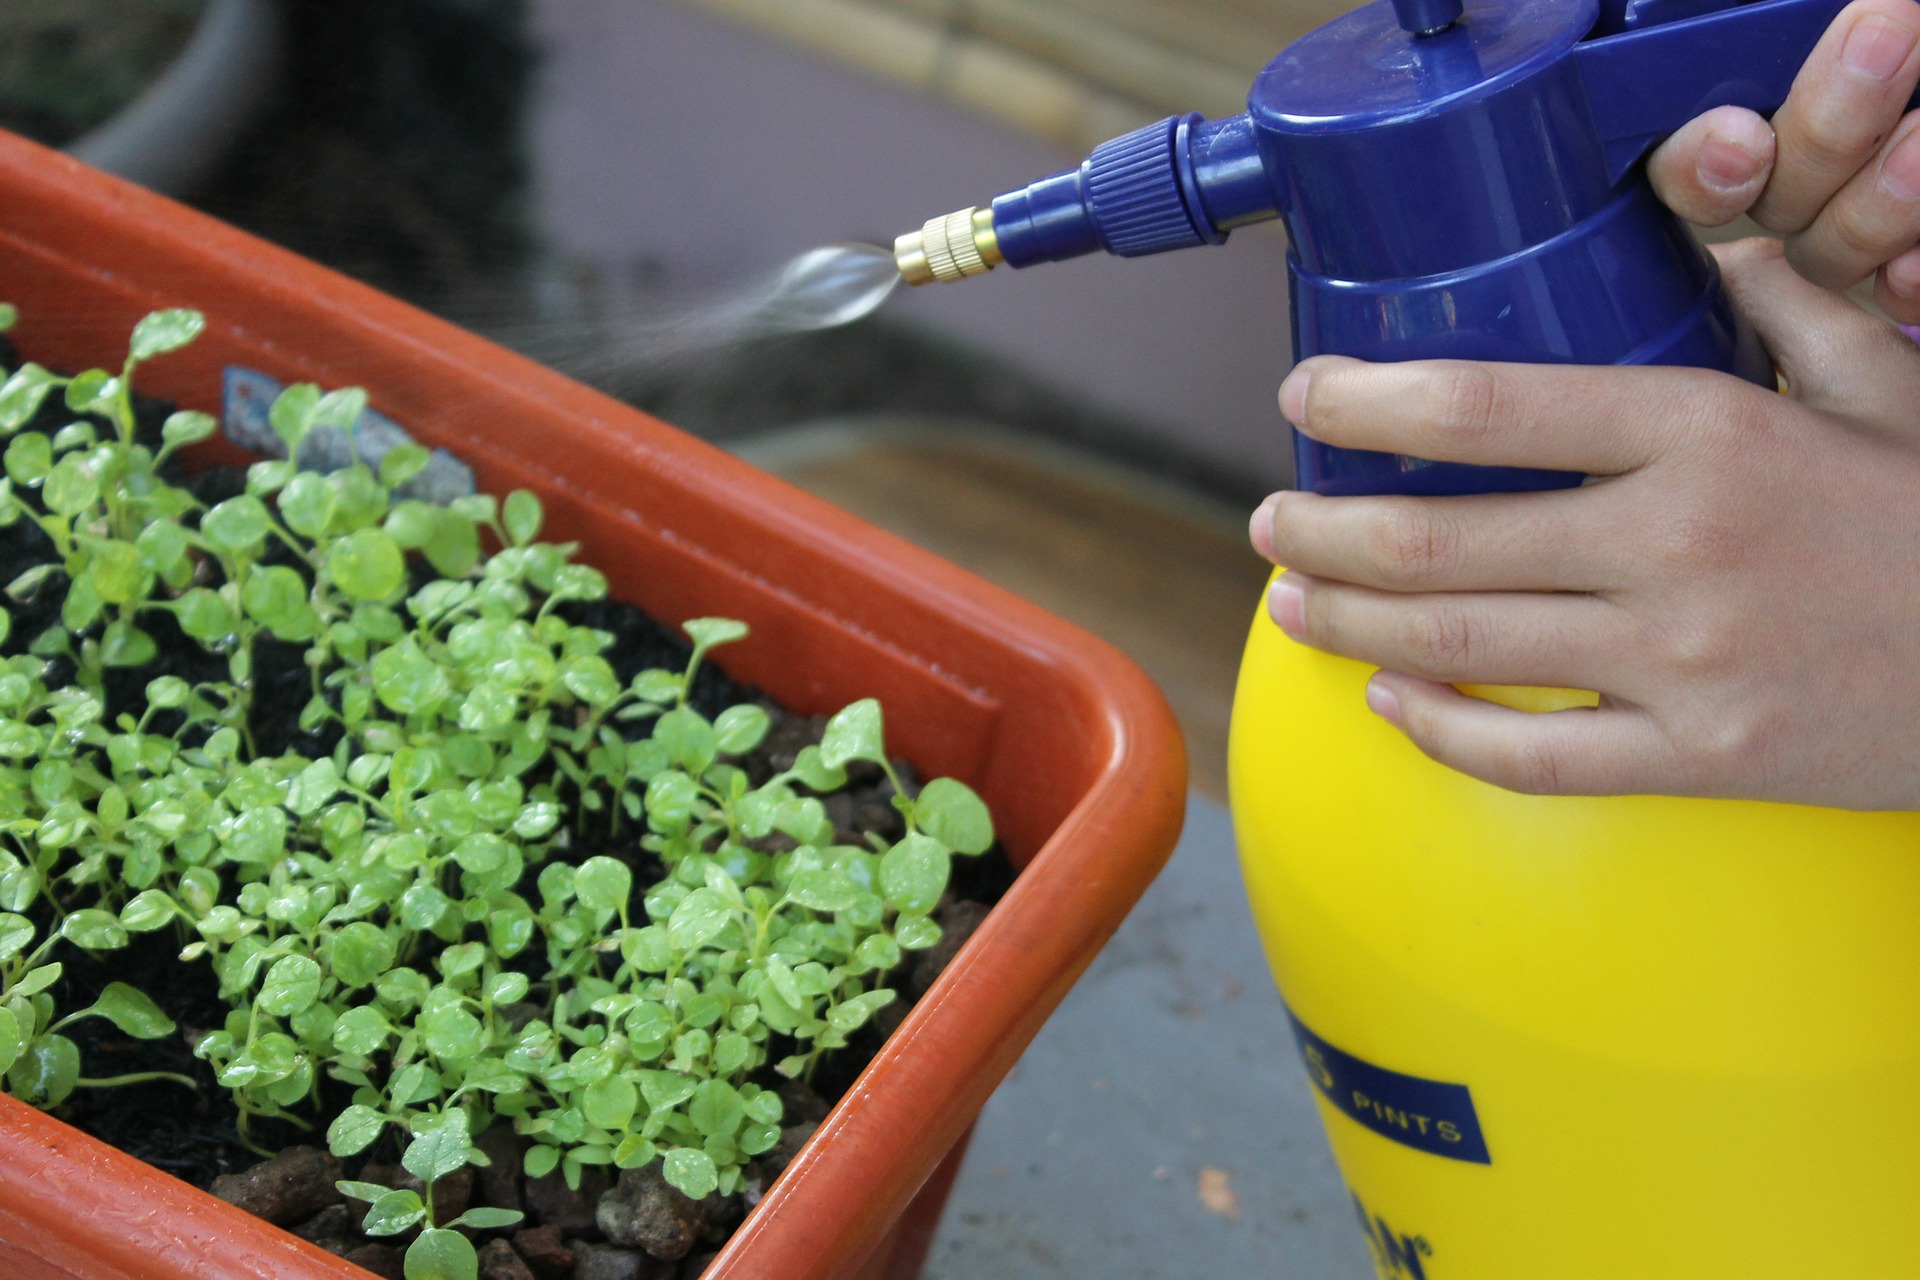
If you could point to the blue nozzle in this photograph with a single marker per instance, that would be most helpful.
(1181, 182)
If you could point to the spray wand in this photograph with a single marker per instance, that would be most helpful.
(1454, 181)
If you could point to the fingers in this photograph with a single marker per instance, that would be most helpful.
(1515, 638)
(1506, 542)
(1844, 103)
(1872, 219)
(1897, 291)
(1834, 355)
(1603, 421)
(1602, 751)
(1715, 167)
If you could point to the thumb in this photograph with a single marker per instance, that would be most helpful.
(1833, 355)
(1714, 169)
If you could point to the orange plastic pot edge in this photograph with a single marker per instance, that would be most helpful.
(1070, 743)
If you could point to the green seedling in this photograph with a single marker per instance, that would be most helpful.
(417, 912)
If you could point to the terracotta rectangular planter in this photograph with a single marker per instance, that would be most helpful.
(1071, 746)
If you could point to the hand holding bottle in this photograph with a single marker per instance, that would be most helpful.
(1740, 583)
(1838, 170)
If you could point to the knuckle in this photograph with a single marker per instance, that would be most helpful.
(1415, 545)
(1444, 640)
(1465, 405)
(1841, 247)
(1535, 766)
(1699, 654)
(1737, 744)
(1828, 137)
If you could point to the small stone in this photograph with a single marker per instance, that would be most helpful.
(452, 1194)
(498, 1261)
(645, 1211)
(792, 1138)
(957, 922)
(550, 1201)
(292, 1187)
(800, 1104)
(335, 1228)
(610, 1262)
(760, 1175)
(500, 1181)
(383, 1260)
(545, 1251)
(334, 1222)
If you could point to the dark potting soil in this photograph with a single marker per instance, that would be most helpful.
(193, 1134)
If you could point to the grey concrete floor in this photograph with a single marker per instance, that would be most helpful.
(1160, 1127)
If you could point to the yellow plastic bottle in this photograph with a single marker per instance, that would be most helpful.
(1583, 1039)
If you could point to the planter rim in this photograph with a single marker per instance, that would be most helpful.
(985, 648)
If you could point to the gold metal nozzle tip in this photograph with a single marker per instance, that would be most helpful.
(951, 248)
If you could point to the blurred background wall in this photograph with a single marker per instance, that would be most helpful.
(671, 147)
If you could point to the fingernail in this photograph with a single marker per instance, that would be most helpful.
(1293, 396)
(1287, 603)
(1900, 171)
(1877, 47)
(1725, 165)
(1383, 702)
(1260, 528)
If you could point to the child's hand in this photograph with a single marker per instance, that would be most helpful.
(1837, 173)
(1741, 584)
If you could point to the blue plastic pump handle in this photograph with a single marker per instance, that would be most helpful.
(1471, 191)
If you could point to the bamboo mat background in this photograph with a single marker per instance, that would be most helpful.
(1075, 72)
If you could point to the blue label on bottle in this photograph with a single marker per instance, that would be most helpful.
(1426, 1115)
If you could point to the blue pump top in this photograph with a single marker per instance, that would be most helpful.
(1455, 182)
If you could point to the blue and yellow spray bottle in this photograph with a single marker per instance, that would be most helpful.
(1590, 1039)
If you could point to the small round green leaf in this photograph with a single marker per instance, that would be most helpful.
(131, 1010)
(393, 1213)
(739, 730)
(164, 331)
(313, 786)
(854, 733)
(235, 526)
(29, 458)
(46, 1074)
(206, 616)
(71, 487)
(441, 1254)
(354, 1130)
(403, 463)
(951, 813)
(521, 514)
(408, 681)
(603, 884)
(361, 953)
(697, 920)
(439, 1147)
(16, 934)
(691, 1172)
(12, 1041)
(610, 1103)
(92, 929)
(189, 426)
(482, 1218)
(292, 984)
(368, 564)
(913, 874)
(276, 597)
